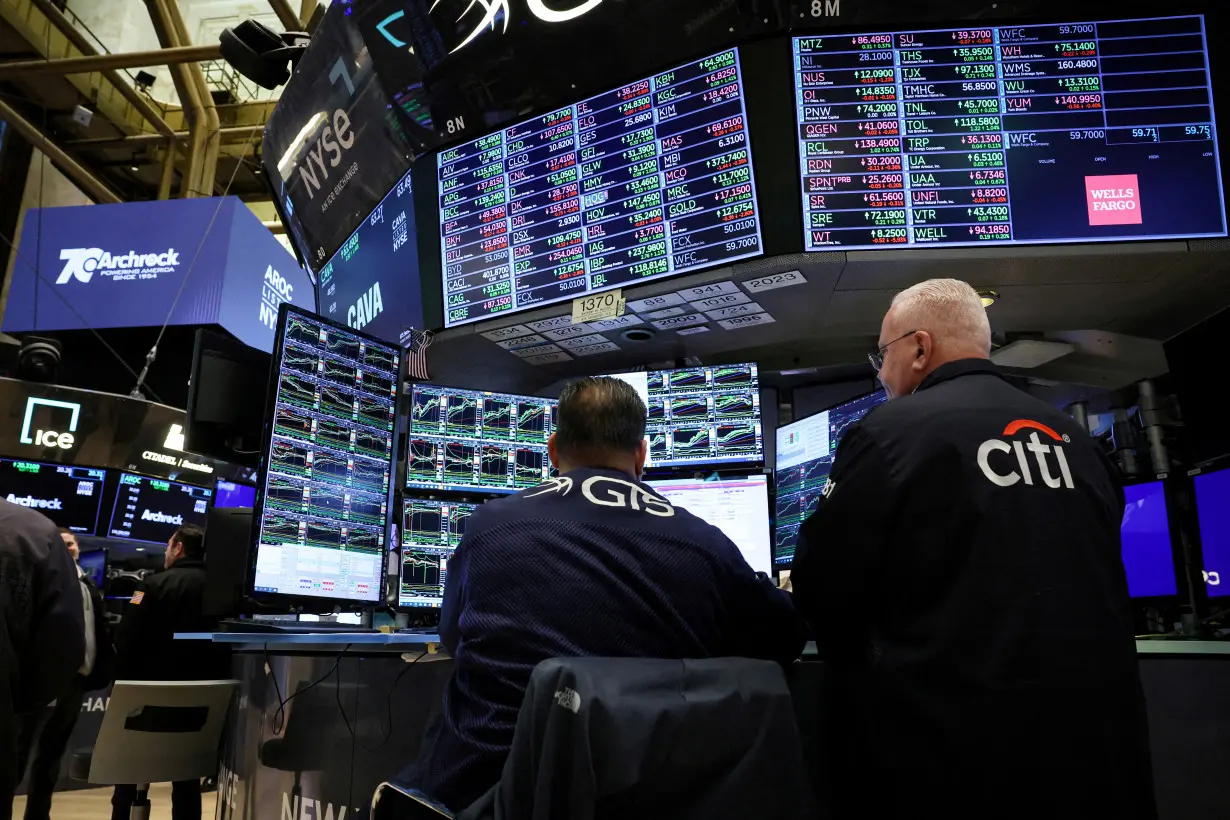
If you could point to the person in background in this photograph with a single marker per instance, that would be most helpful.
(42, 630)
(164, 604)
(963, 577)
(45, 734)
(593, 563)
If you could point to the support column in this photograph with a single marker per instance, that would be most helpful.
(168, 171)
(189, 95)
(93, 187)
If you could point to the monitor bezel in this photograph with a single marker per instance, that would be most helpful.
(308, 602)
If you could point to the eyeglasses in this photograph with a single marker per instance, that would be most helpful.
(877, 358)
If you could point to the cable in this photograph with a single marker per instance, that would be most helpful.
(279, 716)
(388, 734)
(153, 351)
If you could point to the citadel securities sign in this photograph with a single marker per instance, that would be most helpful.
(202, 261)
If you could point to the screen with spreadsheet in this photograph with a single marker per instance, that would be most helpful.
(805, 451)
(739, 507)
(326, 472)
(999, 135)
(478, 441)
(431, 531)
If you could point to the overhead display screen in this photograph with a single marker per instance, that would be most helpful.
(324, 504)
(372, 282)
(431, 532)
(1075, 132)
(471, 440)
(152, 509)
(69, 496)
(701, 415)
(805, 451)
(646, 181)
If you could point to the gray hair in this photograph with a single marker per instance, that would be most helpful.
(949, 309)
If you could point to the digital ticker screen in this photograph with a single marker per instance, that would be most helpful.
(471, 440)
(328, 462)
(1014, 134)
(69, 496)
(805, 451)
(701, 415)
(431, 532)
(646, 181)
(152, 509)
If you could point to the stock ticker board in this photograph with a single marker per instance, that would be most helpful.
(646, 181)
(328, 467)
(1018, 134)
(478, 441)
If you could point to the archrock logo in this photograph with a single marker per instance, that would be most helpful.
(1040, 450)
(82, 263)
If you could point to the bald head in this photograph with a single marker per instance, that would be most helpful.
(929, 325)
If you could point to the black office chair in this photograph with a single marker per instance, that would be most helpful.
(644, 738)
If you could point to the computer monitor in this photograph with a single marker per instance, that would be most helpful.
(1213, 513)
(739, 507)
(469, 440)
(233, 494)
(701, 416)
(70, 496)
(431, 530)
(324, 489)
(94, 564)
(152, 509)
(1147, 555)
(226, 407)
(805, 452)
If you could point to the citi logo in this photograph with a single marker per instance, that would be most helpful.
(82, 263)
(1001, 472)
(162, 518)
(369, 306)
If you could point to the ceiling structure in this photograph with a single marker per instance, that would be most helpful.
(138, 143)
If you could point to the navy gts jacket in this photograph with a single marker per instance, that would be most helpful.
(590, 564)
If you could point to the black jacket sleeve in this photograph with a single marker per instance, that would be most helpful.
(764, 622)
(56, 649)
(841, 544)
(141, 631)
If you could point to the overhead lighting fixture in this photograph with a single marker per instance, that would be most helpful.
(1029, 353)
(285, 164)
(140, 549)
(133, 168)
(988, 297)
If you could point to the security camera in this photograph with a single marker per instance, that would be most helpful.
(262, 55)
(39, 359)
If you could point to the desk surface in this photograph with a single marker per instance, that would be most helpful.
(392, 641)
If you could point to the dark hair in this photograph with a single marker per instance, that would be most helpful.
(66, 530)
(600, 414)
(193, 539)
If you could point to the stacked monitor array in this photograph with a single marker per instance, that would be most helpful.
(105, 503)
(805, 452)
(325, 486)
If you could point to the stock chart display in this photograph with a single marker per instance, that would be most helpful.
(646, 181)
(701, 415)
(326, 470)
(152, 509)
(805, 452)
(431, 531)
(471, 440)
(1015, 134)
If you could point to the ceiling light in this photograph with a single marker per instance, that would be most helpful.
(133, 168)
(988, 297)
(140, 549)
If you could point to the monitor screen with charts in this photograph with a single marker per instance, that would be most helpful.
(1145, 533)
(805, 452)
(1213, 512)
(739, 507)
(431, 531)
(69, 496)
(325, 486)
(470, 440)
(152, 509)
(701, 416)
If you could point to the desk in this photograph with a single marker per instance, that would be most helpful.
(309, 765)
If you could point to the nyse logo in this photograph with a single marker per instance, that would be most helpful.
(50, 437)
(996, 472)
(275, 290)
(331, 142)
(369, 306)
